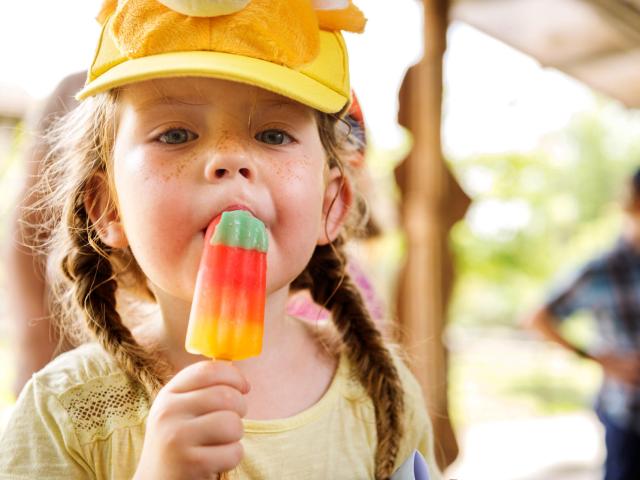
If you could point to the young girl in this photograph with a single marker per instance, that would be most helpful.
(187, 113)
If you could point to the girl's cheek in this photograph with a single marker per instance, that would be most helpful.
(177, 166)
(157, 198)
(288, 170)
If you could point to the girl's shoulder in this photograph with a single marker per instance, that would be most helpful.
(93, 391)
(417, 428)
(413, 395)
(76, 367)
(74, 419)
(414, 398)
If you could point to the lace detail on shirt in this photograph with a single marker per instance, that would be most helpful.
(104, 404)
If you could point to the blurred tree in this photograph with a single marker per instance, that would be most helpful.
(535, 215)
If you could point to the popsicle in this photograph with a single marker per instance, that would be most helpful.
(227, 312)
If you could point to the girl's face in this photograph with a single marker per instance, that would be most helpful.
(188, 149)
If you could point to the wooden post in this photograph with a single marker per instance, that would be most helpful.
(431, 202)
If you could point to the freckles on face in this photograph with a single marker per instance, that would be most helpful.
(298, 201)
(149, 203)
(178, 167)
(287, 174)
(224, 142)
(154, 207)
(243, 147)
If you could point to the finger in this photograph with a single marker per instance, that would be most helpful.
(212, 399)
(216, 428)
(206, 374)
(220, 458)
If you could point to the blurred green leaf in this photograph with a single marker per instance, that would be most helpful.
(537, 215)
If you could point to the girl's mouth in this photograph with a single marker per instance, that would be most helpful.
(229, 208)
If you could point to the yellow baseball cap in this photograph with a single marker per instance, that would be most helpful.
(290, 47)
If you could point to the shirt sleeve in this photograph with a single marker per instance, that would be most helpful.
(39, 441)
(580, 292)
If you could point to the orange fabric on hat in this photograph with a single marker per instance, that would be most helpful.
(350, 19)
(279, 31)
(107, 7)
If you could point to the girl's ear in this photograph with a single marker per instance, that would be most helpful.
(103, 212)
(338, 198)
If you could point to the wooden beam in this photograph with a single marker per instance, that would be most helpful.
(428, 193)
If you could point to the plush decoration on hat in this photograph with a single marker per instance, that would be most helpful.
(279, 31)
(330, 4)
(108, 7)
(205, 8)
(339, 15)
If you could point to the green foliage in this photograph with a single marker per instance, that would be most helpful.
(10, 171)
(10, 181)
(537, 215)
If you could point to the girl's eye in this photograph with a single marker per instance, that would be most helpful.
(273, 137)
(176, 136)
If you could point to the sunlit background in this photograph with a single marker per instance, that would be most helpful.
(542, 157)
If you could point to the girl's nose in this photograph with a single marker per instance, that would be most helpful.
(229, 158)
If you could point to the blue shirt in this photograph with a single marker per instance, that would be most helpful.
(609, 287)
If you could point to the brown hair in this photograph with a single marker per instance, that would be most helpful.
(86, 273)
(331, 286)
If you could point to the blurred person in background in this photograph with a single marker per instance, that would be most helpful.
(36, 340)
(608, 286)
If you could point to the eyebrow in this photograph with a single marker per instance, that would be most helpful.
(167, 100)
(281, 103)
(267, 103)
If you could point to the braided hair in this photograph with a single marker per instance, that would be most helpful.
(85, 273)
(330, 285)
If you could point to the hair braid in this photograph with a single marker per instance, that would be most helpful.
(331, 286)
(94, 286)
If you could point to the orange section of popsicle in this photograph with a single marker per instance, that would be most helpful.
(227, 313)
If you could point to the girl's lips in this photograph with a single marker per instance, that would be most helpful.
(229, 208)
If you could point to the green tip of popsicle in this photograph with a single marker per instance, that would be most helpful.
(239, 228)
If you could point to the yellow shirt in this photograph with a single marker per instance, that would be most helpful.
(80, 418)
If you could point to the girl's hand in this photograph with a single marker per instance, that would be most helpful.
(194, 426)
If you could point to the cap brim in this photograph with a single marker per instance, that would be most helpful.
(276, 78)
